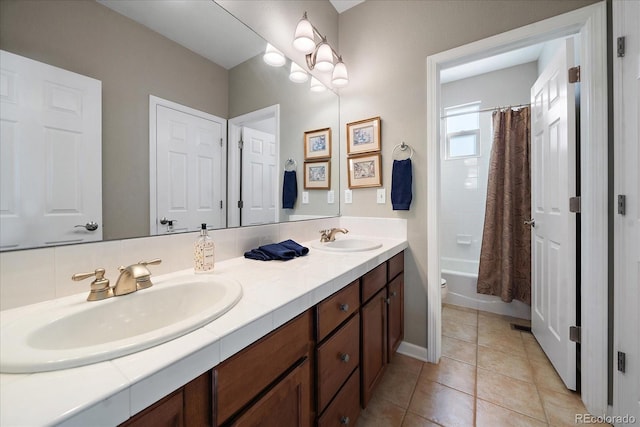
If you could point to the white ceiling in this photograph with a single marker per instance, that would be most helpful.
(493, 63)
(342, 5)
(196, 25)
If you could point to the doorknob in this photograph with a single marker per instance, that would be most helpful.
(165, 221)
(531, 222)
(90, 226)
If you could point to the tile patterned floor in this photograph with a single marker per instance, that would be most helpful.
(490, 375)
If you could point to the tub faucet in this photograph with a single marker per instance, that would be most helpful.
(135, 277)
(330, 235)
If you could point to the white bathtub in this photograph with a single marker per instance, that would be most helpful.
(462, 277)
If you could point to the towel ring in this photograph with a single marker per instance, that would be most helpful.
(402, 148)
(290, 165)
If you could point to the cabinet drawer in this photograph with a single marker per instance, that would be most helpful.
(337, 358)
(167, 412)
(396, 265)
(337, 308)
(373, 281)
(241, 377)
(344, 410)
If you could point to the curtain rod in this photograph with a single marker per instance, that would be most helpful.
(485, 109)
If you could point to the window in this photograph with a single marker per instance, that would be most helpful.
(463, 131)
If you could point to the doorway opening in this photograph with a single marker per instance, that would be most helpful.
(590, 24)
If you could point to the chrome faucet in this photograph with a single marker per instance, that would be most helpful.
(135, 277)
(330, 234)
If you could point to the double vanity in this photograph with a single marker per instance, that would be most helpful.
(307, 338)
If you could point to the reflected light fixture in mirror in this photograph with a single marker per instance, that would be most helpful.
(317, 86)
(273, 56)
(298, 74)
(319, 56)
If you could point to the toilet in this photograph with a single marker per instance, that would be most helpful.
(443, 290)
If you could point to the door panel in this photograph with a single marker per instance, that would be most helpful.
(259, 177)
(51, 138)
(190, 182)
(554, 235)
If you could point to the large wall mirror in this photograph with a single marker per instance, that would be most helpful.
(168, 69)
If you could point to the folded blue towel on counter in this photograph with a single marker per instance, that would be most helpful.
(401, 182)
(296, 247)
(282, 251)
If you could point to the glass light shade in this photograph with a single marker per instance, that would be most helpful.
(340, 76)
(273, 56)
(297, 74)
(324, 58)
(317, 86)
(303, 39)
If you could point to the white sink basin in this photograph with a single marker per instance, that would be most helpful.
(78, 333)
(347, 245)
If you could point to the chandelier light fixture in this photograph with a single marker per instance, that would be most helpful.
(320, 55)
(273, 56)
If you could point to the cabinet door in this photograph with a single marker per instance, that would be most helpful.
(167, 412)
(286, 404)
(374, 343)
(396, 313)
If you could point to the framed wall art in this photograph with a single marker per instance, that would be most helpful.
(365, 171)
(317, 144)
(363, 136)
(317, 175)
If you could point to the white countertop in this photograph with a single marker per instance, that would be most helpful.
(108, 393)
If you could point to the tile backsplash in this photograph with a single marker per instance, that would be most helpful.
(35, 275)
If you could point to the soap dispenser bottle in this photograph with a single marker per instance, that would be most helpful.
(203, 254)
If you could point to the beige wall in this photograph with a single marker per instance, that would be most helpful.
(385, 45)
(132, 62)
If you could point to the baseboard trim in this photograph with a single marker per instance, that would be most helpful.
(413, 350)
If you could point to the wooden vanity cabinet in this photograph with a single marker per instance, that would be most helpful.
(269, 380)
(395, 295)
(190, 405)
(338, 356)
(382, 321)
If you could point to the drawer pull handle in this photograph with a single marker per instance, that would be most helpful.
(345, 357)
(344, 420)
(394, 293)
(387, 300)
(344, 307)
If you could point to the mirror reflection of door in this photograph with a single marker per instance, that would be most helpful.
(50, 150)
(254, 163)
(259, 159)
(189, 180)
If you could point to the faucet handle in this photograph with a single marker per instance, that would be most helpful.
(152, 262)
(100, 288)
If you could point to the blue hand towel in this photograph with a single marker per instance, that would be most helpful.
(401, 182)
(289, 190)
(296, 247)
(277, 251)
(258, 255)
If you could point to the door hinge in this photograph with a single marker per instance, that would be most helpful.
(621, 46)
(622, 362)
(622, 204)
(220, 204)
(240, 204)
(574, 74)
(574, 204)
(574, 334)
(241, 144)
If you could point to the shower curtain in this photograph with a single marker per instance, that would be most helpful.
(505, 256)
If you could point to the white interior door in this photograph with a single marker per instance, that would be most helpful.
(627, 227)
(190, 178)
(51, 154)
(553, 251)
(259, 179)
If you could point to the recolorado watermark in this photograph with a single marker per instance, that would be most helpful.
(609, 419)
